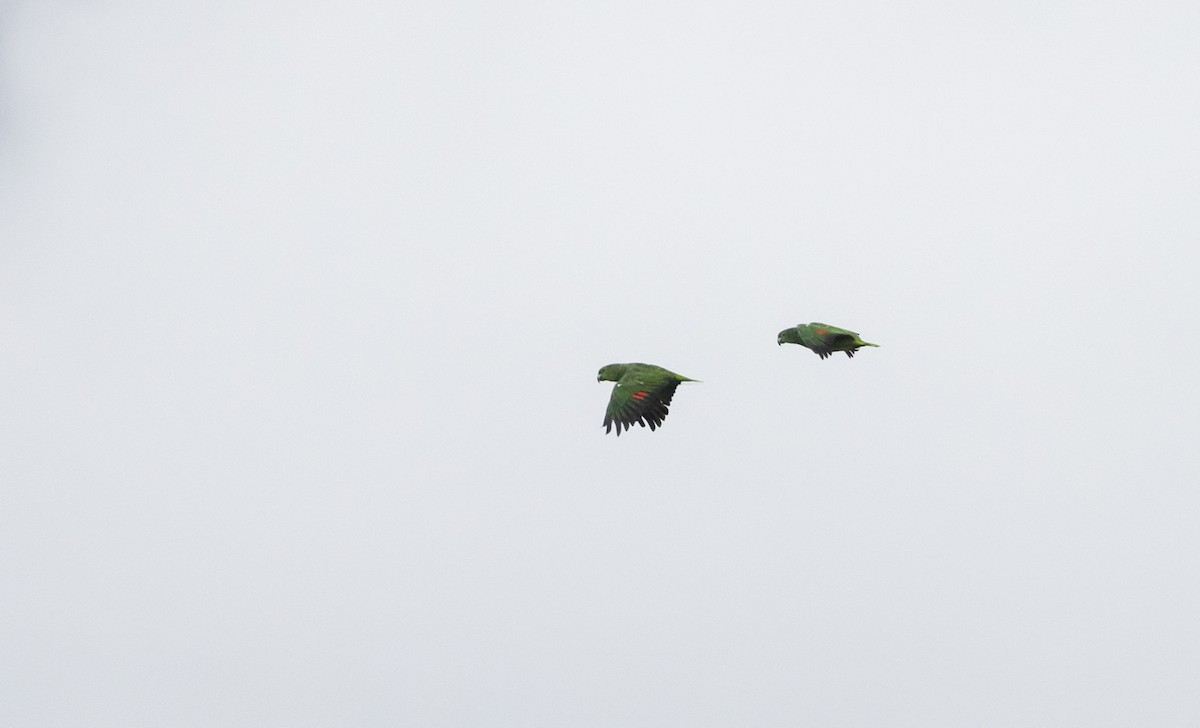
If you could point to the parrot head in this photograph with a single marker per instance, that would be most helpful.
(610, 373)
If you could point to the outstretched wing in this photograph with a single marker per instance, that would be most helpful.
(825, 339)
(640, 397)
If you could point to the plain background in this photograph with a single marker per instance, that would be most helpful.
(301, 307)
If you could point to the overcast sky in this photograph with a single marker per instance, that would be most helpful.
(301, 307)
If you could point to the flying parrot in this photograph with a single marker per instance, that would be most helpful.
(641, 394)
(823, 339)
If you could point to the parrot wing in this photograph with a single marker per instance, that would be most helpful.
(825, 339)
(641, 396)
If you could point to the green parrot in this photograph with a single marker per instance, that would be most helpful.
(823, 339)
(641, 394)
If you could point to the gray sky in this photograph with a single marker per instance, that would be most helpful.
(302, 308)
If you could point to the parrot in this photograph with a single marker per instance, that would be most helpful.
(641, 394)
(823, 339)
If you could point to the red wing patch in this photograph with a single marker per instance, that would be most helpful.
(822, 332)
(640, 395)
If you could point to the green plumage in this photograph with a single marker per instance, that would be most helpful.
(823, 339)
(641, 395)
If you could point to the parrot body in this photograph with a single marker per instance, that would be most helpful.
(823, 339)
(641, 395)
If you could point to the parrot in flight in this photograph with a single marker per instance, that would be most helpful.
(641, 395)
(823, 339)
